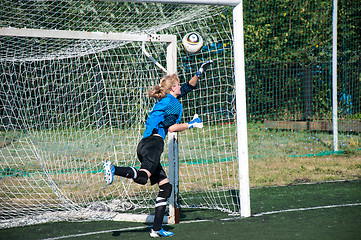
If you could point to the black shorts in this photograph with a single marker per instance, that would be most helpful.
(149, 151)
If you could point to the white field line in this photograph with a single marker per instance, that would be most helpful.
(306, 209)
(197, 221)
(297, 210)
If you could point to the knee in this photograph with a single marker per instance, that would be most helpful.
(165, 190)
(142, 178)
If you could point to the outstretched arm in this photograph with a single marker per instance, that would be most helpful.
(200, 72)
(179, 127)
(194, 80)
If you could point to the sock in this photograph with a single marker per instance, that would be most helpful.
(127, 172)
(160, 206)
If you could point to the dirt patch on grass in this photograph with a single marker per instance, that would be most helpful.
(291, 170)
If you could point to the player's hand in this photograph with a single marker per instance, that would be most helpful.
(203, 68)
(196, 122)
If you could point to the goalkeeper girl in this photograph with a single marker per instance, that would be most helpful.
(164, 117)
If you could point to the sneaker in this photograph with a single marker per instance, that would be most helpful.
(109, 170)
(160, 233)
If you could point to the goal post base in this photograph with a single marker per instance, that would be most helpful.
(174, 219)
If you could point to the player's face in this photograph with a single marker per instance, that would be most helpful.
(176, 89)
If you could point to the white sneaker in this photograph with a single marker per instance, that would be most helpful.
(160, 233)
(109, 170)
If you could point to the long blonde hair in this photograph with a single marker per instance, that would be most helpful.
(166, 83)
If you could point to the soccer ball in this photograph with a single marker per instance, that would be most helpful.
(192, 42)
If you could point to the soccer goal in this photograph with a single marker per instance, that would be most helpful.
(74, 78)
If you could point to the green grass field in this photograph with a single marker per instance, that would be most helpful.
(279, 162)
(329, 210)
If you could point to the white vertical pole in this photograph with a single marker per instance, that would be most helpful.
(241, 109)
(173, 144)
(172, 55)
(334, 76)
(173, 178)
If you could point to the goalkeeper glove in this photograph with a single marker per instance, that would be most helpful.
(203, 68)
(196, 122)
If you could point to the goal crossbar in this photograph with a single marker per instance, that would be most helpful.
(67, 34)
(196, 2)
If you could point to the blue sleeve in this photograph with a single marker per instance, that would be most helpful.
(173, 113)
(170, 120)
(185, 88)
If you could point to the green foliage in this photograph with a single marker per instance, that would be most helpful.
(284, 30)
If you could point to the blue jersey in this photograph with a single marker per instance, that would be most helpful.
(165, 113)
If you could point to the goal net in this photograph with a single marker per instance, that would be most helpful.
(69, 103)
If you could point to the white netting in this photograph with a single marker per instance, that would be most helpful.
(69, 105)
